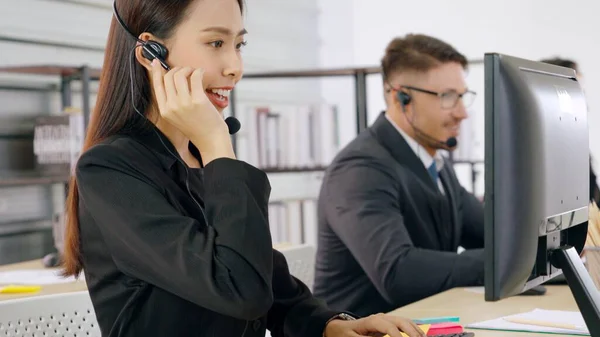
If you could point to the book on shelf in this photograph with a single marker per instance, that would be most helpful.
(293, 222)
(57, 142)
(287, 136)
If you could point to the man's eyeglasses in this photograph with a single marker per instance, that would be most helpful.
(449, 99)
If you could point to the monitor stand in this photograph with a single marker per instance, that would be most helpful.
(583, 288)
(535, 291)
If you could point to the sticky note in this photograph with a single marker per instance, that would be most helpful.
(19, 289)
(445, 328)
(424, 328)
(434, 320)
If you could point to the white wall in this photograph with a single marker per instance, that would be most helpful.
(531, 29)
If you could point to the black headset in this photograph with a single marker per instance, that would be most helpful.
(404, 99)
(150, 49)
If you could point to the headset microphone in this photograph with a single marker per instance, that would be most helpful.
(448, 144)
(233, 124)
(451, 142)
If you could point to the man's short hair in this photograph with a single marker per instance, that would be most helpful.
(562, 62)
(418, 53)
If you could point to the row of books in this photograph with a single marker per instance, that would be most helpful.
(288, 136)
(57, 142)
(293, 222)
(272, 137)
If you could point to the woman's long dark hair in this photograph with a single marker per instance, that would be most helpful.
(114, 111)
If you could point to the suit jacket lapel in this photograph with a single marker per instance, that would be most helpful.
(387, 135)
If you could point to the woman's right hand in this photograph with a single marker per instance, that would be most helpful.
(182, 101)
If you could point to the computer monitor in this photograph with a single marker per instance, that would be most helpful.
(536, 180)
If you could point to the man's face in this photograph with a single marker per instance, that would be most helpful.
(440, 112)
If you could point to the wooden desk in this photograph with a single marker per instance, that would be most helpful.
(46, 289)
(471, 307)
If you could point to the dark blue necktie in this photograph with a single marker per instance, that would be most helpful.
(433, 172)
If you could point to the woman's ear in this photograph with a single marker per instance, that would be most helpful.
(139, 56)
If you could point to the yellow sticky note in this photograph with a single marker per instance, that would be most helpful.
(19, 289)
(424, 328)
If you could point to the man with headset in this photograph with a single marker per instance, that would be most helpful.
(392, 213)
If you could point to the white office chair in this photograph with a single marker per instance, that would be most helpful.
(301, 261)
(67, 314)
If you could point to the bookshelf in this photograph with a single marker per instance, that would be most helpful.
(359, 75)
(32, 197)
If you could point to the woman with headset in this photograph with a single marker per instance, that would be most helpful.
(169, 229)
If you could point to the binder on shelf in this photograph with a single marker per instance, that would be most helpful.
(57, 141)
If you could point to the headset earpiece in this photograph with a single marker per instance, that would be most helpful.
(152, 49)
(404, 99)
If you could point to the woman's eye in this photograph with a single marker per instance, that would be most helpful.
(217, 44)
(241, 44)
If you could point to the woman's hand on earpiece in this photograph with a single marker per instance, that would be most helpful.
(183, 103)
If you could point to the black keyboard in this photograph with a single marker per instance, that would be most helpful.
(462, 334)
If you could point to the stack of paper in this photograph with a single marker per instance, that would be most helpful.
(538, 320)
(33, 276)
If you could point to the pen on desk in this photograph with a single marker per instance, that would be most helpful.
(545, 324)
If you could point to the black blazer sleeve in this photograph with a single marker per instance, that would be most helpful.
(363, 208)
(225, 267)
(295, 313)
(472, 221)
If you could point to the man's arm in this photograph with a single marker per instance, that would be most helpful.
(473, 221)
(363, 208)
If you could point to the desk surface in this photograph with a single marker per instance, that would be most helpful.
(46, 289)
(471, 307)
(62, 287)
